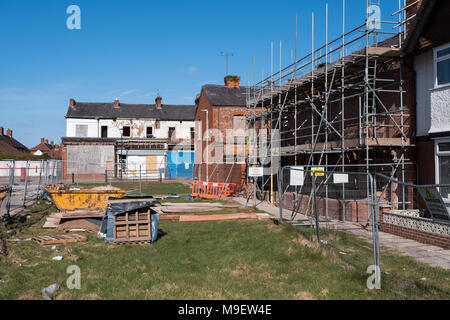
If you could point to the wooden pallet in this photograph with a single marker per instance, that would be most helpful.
(59, 239)
(133, 227)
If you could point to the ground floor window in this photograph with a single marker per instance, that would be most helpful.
(443, 165)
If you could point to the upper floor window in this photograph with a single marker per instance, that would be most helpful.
(126, 131)
(104, 132)
(192, 133)
(81, 130)
(442, 65)
(172, 133)
(149, 132)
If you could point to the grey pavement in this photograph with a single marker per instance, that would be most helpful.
(431, 255)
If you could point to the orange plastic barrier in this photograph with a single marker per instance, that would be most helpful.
(213, 190)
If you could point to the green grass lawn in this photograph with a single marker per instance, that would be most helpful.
(241, 259)
(148, 188)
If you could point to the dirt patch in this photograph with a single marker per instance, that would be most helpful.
(91, 296)
(31, 295)
(304, 295)
(240, 270)
(324, 292)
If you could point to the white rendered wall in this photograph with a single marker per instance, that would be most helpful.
(138, 128)
(432, 104)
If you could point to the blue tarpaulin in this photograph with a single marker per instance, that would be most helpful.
(120, 208)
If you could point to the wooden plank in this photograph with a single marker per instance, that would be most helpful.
(59, 239)
(169, 217)
(128, 200)
(217, 217)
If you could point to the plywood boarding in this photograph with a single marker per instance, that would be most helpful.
(151, 164)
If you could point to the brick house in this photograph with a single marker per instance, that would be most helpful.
(221, 108)
(428, 48)
(51, 149)
(9, 145)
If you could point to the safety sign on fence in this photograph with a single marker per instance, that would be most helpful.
(255, 172)
(435, 204)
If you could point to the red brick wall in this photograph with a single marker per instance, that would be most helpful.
(221, 118)
(416, 235)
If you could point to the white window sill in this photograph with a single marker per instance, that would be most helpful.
(441, 87)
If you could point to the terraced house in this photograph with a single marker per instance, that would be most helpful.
(117, 140)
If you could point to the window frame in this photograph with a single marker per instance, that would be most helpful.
(436, 60)
(146, 132)
(169, 136)
(101, 131)
(438, 154)
(123, 131)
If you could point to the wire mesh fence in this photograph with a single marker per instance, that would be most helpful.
(321, 204)
(26, 178)
(336, 196)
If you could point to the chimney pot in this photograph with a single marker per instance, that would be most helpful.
(52, 143)
(46, 141)
(232, 82)
(72, 102)
(116, 103)
(9, 133)
(2, 132)
(158, 102)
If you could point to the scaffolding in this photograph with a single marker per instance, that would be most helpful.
(340, 107)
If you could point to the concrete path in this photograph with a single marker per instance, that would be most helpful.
(431, 255)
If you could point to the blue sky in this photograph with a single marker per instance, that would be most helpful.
(130, 49)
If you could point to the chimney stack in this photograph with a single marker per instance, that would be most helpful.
(2, 131)
(46, 141)
(9, 133)
(116, 103)
(158, 102)
(52, 143)
(72, 103)
(42, 140)
(232, 82)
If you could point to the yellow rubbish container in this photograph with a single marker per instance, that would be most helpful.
(70, 200)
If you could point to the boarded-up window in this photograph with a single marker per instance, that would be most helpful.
(238, 123)
(81, 131)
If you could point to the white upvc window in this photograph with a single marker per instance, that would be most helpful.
(442, 65)
(443, 166)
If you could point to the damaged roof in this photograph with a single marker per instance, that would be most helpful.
(219, 95)
(99, 110)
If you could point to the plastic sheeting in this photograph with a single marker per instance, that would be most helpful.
(119, 208)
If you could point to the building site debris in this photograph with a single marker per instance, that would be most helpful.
(3, 193)
(59, 239)
(68, 199)
(78, 225)
(57, 258)
(217, 217)
(130, 222)
(50, 291)
(169, 207)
